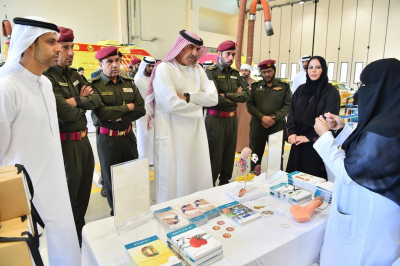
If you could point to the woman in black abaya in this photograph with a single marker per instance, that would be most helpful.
(312, 99)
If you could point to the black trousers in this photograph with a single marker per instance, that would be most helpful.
(114, 150)
(259, 138)
(222, 136)
(79, 167)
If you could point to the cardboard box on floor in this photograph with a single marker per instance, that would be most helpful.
(15, 253)
(14, 194)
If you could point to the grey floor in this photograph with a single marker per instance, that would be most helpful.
(98, 206)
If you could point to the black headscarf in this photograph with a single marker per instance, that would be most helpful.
(372, 150)
(315, 88)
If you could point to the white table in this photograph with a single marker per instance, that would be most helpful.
(263, 242)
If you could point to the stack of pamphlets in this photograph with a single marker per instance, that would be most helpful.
(289, 193)
(206, 207)
(150, 251)
(325, 190)
(239, 213)
(170, 219)
(194, 214)
(304, 181)
(194, 246)
(251, 193)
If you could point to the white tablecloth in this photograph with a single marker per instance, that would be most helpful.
(263, 242)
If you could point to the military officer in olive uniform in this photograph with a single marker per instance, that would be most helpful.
(268, 105)
(221, 120)
(73, 97)
(121, 105)
(135, 63)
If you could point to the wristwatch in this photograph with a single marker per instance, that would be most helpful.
(78, 101)
(187, 95)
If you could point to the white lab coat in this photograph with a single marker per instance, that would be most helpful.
(181, 156)
(145, 138)
(30, 136)
(363, 227)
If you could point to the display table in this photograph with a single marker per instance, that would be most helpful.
(277, 240)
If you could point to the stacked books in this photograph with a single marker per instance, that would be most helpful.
(194, 246)
(150, 251)
(289, 193)
(325, 190)
(239, 213)
(208, 209)
(194, 214)
(170, 219)
(304, 181)
(251, 193)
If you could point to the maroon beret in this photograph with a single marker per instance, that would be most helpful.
(106, 51)
(226, 45)
(267, 64)
(135, 61)
(66, 35)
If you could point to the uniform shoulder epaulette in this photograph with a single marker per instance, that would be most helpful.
(212, 67)
(73, 68)
(96, 78)
(128, 78)
(235, 70)
(256, 81)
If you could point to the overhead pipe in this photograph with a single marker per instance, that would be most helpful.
(252, 19)
(239, 38)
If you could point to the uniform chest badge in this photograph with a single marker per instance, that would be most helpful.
(260, 89)
(277, 88)
(63, 84)
(76, 82)
(128, 89)
(106, 93)
(221, 77)
(233, 77)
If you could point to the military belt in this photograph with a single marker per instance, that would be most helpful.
(221, 113)
(115, 133)
(74, 135)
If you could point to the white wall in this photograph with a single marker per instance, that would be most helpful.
(91, 20)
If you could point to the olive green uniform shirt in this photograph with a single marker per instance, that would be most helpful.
(114, 98)
(228, 81)
(265, 100)
(67, 83)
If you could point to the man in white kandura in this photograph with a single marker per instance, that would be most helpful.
(300, 77)
(177, 92)
(145, 138)
(30, 135)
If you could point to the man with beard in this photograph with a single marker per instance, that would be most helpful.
(243, 115)
(135, 63)
(73, 97)
(145, 138)
(121, 105)
(30, 135)
(300, 77)
(178, 90)
(268, 105)
(221, 121)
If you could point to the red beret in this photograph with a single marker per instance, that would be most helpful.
(135, 61)
(266, 64)
(66, 35)
(226, 45)
(106, 51)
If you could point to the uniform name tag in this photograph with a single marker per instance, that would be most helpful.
(233, 77)
(105, 93)
(221, 77)
(277, 88)
(76, 82)
(260, 89)
(127, 89)
(63, 84)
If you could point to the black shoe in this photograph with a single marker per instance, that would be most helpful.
(103, 192)
(112, 213)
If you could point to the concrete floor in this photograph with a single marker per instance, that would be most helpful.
(98, 206)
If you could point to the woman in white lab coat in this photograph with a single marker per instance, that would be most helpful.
(364, 221)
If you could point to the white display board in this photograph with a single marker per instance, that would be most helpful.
(131, 194)
(274, 153)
